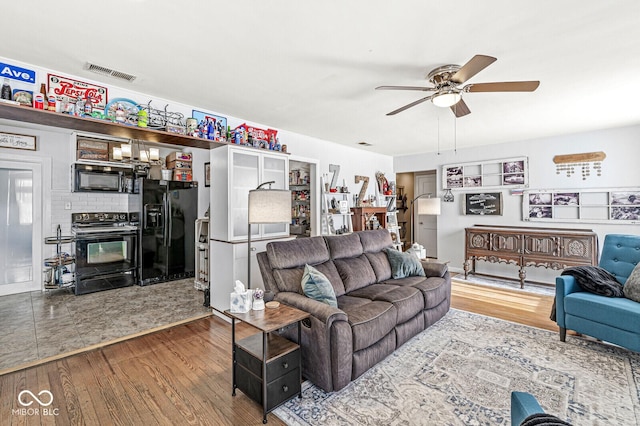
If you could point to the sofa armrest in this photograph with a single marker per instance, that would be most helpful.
(323, 312)
(434, 269)
(565, 285)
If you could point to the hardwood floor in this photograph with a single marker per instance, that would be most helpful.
(182, 375)
(511, 305)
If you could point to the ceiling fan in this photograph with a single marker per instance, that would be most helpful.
(448, 92)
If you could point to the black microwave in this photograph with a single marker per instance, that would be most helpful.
(101, 178)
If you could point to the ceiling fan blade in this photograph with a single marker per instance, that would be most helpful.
(424, 89)
(505, 86)
(412, 104)
(460, 109)
(473, 67)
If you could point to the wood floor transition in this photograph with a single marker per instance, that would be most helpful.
(182, 375)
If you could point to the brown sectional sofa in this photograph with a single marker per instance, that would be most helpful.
(376, 314)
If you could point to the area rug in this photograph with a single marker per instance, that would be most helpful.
(461, 371)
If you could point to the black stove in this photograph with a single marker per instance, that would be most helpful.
(106, 250)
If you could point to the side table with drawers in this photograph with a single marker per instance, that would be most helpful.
(266, 366)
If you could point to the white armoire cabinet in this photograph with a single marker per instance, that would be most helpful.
(235, 171)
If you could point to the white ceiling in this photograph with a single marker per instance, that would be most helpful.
(311, 66)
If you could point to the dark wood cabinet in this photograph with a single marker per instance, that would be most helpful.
(553, 248)
(362, 217)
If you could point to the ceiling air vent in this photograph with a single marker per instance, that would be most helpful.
(98, 69)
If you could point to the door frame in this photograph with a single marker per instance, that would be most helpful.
(41, 168)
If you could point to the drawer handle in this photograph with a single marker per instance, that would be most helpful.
(285, 365)
(285, 388)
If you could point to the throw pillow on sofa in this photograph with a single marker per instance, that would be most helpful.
(316, 285)
(404, 264)
(632, 286)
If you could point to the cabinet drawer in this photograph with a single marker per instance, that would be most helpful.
(283, 388)
(278, 391)
(275, 368)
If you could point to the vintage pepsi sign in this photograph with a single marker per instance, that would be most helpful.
(17, 73)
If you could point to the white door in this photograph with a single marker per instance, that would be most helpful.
(20, 227)
(426, 226)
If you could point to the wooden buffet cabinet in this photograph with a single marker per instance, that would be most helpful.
(553, 248)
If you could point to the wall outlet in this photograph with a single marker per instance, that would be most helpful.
(67, 205)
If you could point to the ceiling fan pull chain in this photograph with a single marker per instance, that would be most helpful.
(455, 136)
(438, 134)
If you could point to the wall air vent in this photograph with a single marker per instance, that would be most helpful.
(98, 69)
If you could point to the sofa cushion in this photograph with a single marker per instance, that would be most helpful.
(343, 246)
(289, 279)
(356, 272)
(435, 290)
(404, 264)
(297, 253)
(380, 264)
(370, 321)
(316, 285)
(615, 312)
(632, 286)
(407, 300)
(375, 241)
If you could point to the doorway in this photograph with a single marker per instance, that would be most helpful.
(20, 227)
(303, 181)
(426, 226)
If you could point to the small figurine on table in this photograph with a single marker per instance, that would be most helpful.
(258, 302)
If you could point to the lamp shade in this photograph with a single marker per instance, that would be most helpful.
(269, 206)
(429, 206)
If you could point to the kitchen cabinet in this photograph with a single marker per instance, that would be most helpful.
(234, 172)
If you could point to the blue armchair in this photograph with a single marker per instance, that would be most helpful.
(523, 405)
(611, 319)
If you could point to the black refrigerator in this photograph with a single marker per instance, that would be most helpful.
(168, 211)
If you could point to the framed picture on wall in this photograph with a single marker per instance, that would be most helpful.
(207, 174)
(485, 204)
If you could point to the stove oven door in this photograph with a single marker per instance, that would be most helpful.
(105, 261)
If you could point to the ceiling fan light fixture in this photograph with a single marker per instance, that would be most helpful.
(446, 99)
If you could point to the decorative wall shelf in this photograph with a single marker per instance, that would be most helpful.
(610, 205)
(509, 173)
(65, 121)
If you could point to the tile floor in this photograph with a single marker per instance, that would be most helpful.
(38, 325)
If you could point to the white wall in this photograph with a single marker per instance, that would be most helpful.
(619, 169)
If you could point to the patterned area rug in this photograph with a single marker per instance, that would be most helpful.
(461, 371)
